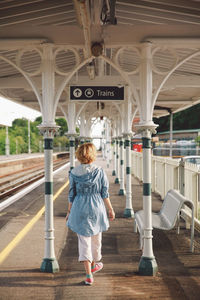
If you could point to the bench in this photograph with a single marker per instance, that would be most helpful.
(167, 217)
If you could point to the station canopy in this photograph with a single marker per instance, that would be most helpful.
(98, 43)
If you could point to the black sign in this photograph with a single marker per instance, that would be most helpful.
(96, 93)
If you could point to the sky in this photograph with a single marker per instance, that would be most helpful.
(10, 111)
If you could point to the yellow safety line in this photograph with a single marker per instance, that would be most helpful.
(7, 250)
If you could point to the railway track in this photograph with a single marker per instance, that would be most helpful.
(15, 181)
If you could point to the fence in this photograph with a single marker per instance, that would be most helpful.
(168, 173)
(178, 149)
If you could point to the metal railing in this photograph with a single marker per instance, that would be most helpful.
(176, 151)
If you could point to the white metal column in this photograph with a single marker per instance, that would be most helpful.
(71, 114)
(117, 161)
(82, 128)
(72, 151)
(114, 157)
(121, 171)
(103, 143)
(128, 212)
(48, 128)
(108, 142)
(148, 264)
(128, 117)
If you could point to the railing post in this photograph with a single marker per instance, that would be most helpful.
(182, 177)
(198, 190)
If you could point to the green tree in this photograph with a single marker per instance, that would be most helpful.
(186, 119)
(63, 126)
(62, 141)
(21, 145)
(18, 135)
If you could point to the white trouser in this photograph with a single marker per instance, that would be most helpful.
(89, 247)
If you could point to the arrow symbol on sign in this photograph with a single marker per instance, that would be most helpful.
(77, 93)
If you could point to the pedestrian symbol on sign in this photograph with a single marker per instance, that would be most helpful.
(89, 93)
(77, 93)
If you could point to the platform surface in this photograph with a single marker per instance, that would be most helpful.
(20, 278)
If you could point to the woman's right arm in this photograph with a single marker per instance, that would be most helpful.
(72, 189)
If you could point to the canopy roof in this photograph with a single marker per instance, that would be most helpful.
(121, 27)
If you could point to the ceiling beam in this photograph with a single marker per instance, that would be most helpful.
(113, 36)
(175, 81)
(18, 43)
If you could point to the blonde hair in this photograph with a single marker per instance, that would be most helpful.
(86, 153)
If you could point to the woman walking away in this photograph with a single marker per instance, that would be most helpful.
(86, 215)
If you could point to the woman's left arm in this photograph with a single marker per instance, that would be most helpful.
(72, 189)
(71, 195)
